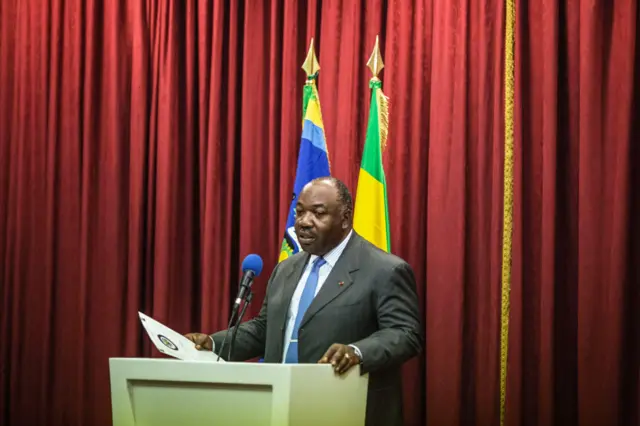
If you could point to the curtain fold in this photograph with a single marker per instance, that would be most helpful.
(464, 212)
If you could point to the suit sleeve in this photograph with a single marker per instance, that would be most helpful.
(399, 337)
(252, 335)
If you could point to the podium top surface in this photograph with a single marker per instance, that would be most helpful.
(231, 372)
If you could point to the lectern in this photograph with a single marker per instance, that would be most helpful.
(163, 392)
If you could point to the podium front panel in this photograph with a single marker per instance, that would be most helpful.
(155, 403)
(159, 392)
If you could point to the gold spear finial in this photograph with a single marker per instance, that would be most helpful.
(375, 63)
(311, 65)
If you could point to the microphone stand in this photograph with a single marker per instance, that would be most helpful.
(233, 315)
(248, 299)
(232, 321)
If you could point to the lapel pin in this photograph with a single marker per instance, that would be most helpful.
(341, 283)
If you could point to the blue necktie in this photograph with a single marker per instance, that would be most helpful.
(308, 294)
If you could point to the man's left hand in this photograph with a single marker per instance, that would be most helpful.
(341, 357)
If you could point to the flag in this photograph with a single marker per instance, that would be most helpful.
(371, 213)
(313, 161)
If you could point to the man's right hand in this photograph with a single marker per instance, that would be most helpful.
(201, 340)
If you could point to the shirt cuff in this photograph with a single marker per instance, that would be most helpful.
(357, 351)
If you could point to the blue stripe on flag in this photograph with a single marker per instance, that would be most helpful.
(314, 134)
(312, 163)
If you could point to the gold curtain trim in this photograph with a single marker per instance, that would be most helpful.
(507, 236)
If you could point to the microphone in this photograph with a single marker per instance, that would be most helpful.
(251, 268)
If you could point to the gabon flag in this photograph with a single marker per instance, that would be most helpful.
(313, 157)
(371, 212)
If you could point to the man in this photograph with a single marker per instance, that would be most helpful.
(341, 301)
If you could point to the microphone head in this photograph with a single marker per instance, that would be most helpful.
(252, 262)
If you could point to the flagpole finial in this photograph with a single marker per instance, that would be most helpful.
(311, 65)
(375, 63)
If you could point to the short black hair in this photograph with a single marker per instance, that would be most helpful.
(344, 195)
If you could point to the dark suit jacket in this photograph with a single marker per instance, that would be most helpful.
(376, 309)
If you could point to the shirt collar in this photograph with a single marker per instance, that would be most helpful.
(332, 257)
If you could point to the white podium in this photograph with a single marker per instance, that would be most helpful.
(163, 392)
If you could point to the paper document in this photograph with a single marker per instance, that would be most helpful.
(174, 344)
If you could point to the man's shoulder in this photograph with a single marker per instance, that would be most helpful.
(379, 259)
(291, 261)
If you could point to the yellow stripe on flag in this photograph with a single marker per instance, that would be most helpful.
(370, 214)
(313, 113)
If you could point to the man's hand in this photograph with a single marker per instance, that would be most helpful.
(341, 357)
(201, 340)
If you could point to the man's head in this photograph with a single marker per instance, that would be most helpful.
(324, 215)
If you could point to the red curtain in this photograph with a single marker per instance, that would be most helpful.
(147, 146)
(575, 326)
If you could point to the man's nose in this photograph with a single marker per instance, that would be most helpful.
(304, 220)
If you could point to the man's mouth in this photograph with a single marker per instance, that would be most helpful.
(306, 238)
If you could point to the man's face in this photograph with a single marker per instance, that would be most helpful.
(321, 221)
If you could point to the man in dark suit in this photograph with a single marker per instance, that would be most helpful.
(341, 301)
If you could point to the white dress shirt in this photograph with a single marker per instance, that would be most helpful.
(331, 259)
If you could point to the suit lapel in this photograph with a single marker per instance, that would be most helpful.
(338, 281)
(293, 275)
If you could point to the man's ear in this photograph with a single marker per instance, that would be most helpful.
(347, 218)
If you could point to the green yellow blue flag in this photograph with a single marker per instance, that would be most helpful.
(313, 161)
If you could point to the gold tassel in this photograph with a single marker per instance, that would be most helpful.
(383, 119)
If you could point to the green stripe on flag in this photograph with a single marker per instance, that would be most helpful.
(372, 155)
